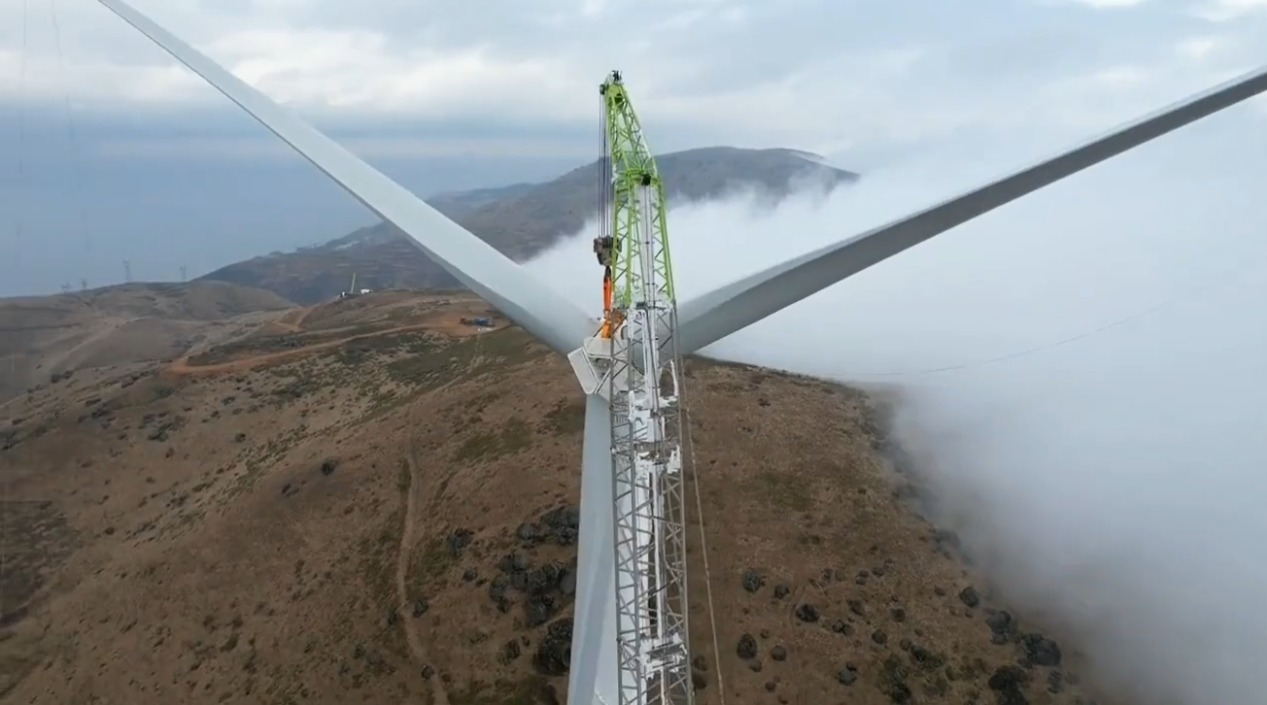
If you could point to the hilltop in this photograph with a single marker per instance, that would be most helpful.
(368, 501)
(43, 337)
(520, 220)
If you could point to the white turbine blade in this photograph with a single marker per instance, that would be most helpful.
(499, 281)
(594, 675)
(723, 311)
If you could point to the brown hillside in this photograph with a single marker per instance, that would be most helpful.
(386, 514)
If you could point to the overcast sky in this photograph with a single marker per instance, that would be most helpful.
(459, 94)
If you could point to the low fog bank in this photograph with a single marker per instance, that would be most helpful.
(1115, 482)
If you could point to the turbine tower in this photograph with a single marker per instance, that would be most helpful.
(599, 671)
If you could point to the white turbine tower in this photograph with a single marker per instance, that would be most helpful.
(596, 666)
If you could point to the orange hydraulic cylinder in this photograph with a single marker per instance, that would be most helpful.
(606, 331)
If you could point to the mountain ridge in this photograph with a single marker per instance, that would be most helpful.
(522, 220)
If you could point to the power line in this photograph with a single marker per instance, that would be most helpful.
(19, 212)
(4, 499)
(72, 132)
(1210, 286)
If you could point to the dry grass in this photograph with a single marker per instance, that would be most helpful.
(236, 537)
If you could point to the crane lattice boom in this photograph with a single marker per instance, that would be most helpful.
(634, 361)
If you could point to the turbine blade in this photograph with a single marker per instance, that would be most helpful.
(490, 274)
(737, 305)
(594, 675)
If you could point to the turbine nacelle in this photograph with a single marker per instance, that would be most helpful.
(592, 363)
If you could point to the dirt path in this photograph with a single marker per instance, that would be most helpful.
(295, 326)
(182, 366)
(416, 647)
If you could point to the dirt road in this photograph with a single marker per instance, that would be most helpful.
(182, 366)
(438, 694)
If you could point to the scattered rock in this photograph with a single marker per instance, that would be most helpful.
(969, 596)
(328, 466)
(528, 532)
(879, 637)
(470, 575)
(562, 524)
(847, 675)
(554, 653)
(778, 653)
(926, 659)
(898, 614)
(752, 580)
(781, 591)
(700, 663)
(538, 610)
(460, 539)
(1008, 682)
(807, 613)
(892, 681)
(420, 607)
(1041, 651)
(747, 647)
(1000, 622)
(857, 607)
(840, 626)
(497, 593)
(513, 563)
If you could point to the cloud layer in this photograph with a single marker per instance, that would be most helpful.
(1109, 481)
(818, 75)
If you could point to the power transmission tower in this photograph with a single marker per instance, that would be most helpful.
(184, 273)
(66, 288)
(83, 284)
(127, 271)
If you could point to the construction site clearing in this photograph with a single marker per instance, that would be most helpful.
(385, 511)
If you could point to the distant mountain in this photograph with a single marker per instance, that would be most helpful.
(521, 220)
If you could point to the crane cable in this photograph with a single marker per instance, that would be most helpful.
(703, 545)
(1188, 294)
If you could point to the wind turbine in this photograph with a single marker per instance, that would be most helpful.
(595, 674)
